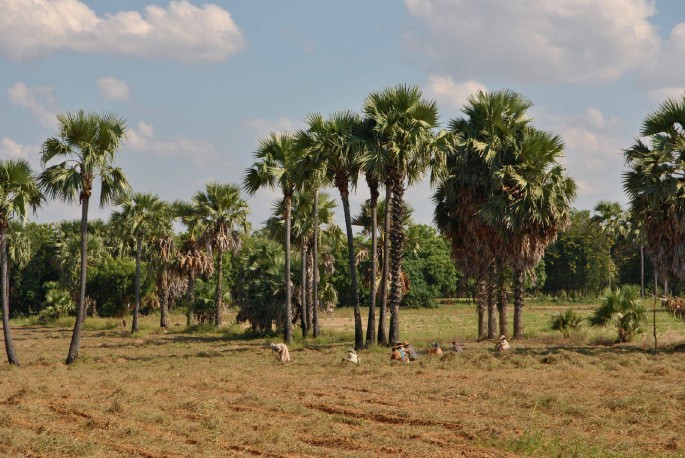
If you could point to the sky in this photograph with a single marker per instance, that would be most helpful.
(200, 83)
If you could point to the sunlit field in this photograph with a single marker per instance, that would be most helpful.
(208, 393)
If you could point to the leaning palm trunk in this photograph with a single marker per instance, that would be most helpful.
(382, 336)
(481, 305)
(358, 333)
(287, 313)
(371, 325)
(9, 344)
(518, 304)
(396, 249)
(219, 312)
(303, 295)
(136, 307)
(315, 265)
(492, 309)
(502, 302)
(76, 335)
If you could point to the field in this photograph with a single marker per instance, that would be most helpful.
(208, 393)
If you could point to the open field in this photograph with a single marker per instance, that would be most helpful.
(210, 393)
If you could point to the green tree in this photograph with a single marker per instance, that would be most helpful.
(654, 185)
(19, 193)
(402, 123)
(222, 212)
(86, 144)
(142, 217)
(274, 167)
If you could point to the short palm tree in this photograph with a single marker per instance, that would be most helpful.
(222, 212)
(275, 167)
(402, 124)
(86, 145)
(620, 308)
(142, 218)
(19, 194)
(565, 322)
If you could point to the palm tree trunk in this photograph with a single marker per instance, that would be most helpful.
(502, 302)
(191, 300)
(310, 290)
(315, 265)
(382, 336)
(518, 304)
(303, 283)
(136, 307)
(287, 328)
(219, 312)
(492, 309)
(481, 305)
(75, 344)
(642, 270)
(358, 333)
(371, 325)
(9, 344)
(164, 308)
(396, 248)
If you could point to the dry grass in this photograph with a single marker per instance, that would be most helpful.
(221, 394)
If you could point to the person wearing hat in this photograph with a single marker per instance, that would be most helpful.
(409, 350)
(281, 351)
(351, 356)
(398, 353)
(503, 345)
(456, 346)
(435, 349)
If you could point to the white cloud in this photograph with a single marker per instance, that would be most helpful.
(449, 93)
(38, 100)
(660, 95)
(262, 127)
(181, 31)
(594, 152)
(9, 149)
(535, 40)
(141, 139)
(113, 89)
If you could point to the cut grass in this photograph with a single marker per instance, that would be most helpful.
(221, 392)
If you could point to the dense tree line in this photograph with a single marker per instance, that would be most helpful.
(503, 213)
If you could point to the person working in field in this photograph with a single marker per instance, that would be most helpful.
(281, 351)
(435, 349)
(502, 345)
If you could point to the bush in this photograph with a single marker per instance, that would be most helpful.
(58, 303)
(566, 322)
(621, 309)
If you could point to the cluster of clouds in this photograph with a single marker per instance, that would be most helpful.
(181, 31)
(538, 41)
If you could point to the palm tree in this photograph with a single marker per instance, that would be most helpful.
(19, 193)
(334, 144)
(87, 144)
(222, 212)
(304, 225)
(275, 165)
(142, 217)
(654, 185)
(402, 123)
(529, 203)
(621, 308)
(193, 262)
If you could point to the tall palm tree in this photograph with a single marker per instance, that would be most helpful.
(274, 167)
(654, 185)
(335, 144)
(529, 203)
(310, 173)
(222, 212)
(142, 216)
(402, 123)
(19, 193)
(87, 145)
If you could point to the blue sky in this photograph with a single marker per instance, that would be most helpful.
(199, 83)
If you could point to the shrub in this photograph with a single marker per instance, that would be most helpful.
(566, 322)
(621, 309)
